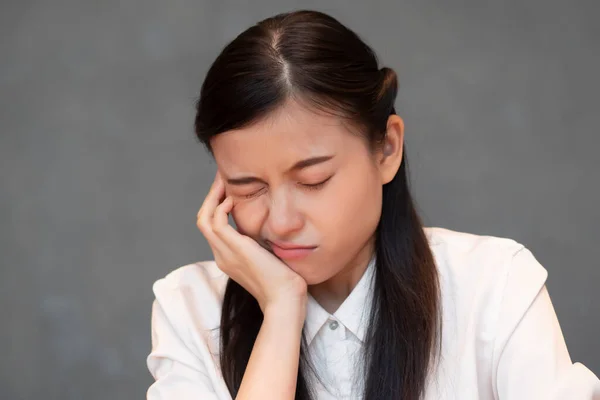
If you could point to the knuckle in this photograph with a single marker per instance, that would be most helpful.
(201, 225)
(203, 221)
(217, 229)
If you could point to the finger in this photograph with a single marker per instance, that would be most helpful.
(220, 224)
(218, 247)
(212, 200)
(205, 222)
(221, 227)
(217, 185)
(216, 179)
(214, 197)
(220, 219)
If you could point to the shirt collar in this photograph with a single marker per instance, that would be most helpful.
(351, 313)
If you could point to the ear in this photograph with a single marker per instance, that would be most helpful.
(389, 155)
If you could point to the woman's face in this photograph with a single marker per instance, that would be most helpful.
(333, 202)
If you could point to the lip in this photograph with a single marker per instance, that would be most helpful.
(287, 251)
(289, 246)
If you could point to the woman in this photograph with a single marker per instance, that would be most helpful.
(330, 287)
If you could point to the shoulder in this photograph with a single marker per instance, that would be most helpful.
(482, 276)
(455, 244)
(475, 257)
(192, 293)
(204, 274)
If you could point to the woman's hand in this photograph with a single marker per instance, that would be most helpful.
(268, 279)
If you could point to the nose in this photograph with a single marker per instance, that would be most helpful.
(284, 219)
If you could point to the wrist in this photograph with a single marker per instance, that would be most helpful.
(289, 309)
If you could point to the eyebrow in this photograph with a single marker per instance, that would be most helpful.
(245, 180)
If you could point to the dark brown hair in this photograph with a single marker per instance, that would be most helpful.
(311, 57)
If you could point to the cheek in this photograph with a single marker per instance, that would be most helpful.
(248, 218)
(352, 211)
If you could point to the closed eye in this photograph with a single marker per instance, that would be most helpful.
(315, 186)
(248, 196)
(308, 186)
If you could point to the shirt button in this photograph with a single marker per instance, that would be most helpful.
(333, 325)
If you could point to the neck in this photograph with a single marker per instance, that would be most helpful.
(332, 293)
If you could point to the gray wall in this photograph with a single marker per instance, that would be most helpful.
(101, 176)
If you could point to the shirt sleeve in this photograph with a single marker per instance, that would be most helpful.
(532, 358)
(179, 373)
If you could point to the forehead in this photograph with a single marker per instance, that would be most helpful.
(290, 133)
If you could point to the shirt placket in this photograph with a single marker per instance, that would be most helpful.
(337, 356)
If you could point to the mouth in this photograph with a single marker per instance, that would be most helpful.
(287, 251)
(289, 246)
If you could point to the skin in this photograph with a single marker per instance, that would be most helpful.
(274, 203)
(340, 216)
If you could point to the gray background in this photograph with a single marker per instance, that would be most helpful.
(102, 178)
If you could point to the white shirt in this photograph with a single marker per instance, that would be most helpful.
(501, 338)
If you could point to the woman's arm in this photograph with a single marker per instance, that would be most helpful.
(273, 366)
(183, 367)
(281, 294)
(179, 372)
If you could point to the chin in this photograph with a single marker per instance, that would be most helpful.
(311, 271)
(312, 277)
(312, 282)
